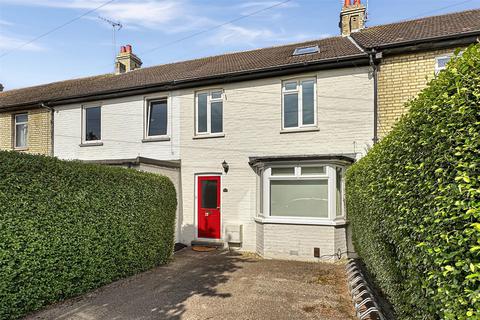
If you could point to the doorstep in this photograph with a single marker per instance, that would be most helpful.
(210, 243)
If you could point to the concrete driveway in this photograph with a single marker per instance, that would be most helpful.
(217, 285)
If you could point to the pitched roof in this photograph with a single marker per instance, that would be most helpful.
(420, 29)
(232, 63)
(331, 49)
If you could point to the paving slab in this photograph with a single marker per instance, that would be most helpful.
(217, 285)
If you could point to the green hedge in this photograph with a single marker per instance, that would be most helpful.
(414, 200)
(69, 227)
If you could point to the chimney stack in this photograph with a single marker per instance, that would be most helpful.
(126, 60)
(352, 17)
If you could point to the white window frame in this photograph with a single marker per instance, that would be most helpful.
(84, 124)
(299, 93)
(329, 175)
(15, 131)
(449, 56)
(439, 69)
(209, 111)
(342, 187)
(146, 126)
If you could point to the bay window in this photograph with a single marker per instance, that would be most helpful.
(299, 103)
(302, 192)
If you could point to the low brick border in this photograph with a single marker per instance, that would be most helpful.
(366, 306)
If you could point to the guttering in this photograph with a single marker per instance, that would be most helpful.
(52, 128)
(173, 164)
(374, 62)
(428, 43)
(258, 160)
(343, 62)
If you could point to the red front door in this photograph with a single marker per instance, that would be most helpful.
(208, 212)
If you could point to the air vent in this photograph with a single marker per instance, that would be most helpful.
(306, 50)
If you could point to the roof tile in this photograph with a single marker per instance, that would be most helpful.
(419, 29)
(259, 59)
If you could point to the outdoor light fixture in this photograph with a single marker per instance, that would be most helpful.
(225, 166)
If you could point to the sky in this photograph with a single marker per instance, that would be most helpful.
(163, 31)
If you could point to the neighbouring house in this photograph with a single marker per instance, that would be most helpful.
(408, 54)
(256, 142)
(26, 129)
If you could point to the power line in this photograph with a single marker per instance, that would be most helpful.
(55, 29)
(206, 30)
(214, 27)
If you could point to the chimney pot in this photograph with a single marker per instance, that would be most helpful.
(126, 61)
(352, 18)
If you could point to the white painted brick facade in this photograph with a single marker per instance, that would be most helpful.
(122, 131)
(252, 125)
(296, 242)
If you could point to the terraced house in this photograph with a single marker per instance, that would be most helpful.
(406, 55)
(256, 142)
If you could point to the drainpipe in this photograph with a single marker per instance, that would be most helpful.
(52, 115)
(374, 62)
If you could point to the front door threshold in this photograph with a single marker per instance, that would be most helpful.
(211, 243)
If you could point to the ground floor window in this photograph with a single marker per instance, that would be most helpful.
(312, 191)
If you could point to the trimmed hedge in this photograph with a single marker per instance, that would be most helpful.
(414, 200)
(69, 227)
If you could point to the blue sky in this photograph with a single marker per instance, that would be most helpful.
(84, 47)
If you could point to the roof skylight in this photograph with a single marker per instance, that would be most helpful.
(306, 50)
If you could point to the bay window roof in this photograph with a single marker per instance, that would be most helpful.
(344, 157)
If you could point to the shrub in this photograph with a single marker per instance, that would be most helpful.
(69, 227)
(414, 200)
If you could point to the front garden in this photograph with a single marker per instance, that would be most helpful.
(69, 227)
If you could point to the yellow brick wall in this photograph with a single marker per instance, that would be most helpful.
(400, 79)
(39, 138)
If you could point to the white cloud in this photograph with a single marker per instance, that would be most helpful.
(9, 43)
(170, 16)
(265, 4)
(234, 35)
(5, 23)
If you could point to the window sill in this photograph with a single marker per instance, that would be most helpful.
(295, 130)
(306, 221)
(209, 136)
(21, 149)
(155, 139)
(91, 144)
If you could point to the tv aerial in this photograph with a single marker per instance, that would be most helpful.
(116, 26)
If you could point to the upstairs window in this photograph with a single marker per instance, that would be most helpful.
(441, 63)
(306, 50)
(157, 118)
(209, 112)
(21, 130)
(92, 124)
(299, 103)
